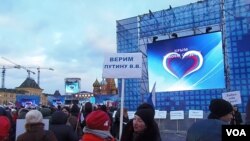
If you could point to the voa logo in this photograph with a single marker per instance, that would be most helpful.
(236, 132)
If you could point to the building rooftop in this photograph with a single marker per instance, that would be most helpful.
(29, 83)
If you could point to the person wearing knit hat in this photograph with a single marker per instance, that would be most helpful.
(97, 127)
(146, 115)
(146, 106)
(143, 127)
(35, 128)
(220, 109)
(210, 129)
(34, 116)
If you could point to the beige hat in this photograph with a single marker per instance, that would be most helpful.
(34, 116)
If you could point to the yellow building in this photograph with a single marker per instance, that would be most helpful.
(28, 87)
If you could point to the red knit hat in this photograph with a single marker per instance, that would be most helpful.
(4, 126)
(98, 120)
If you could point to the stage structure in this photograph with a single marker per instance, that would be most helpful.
(230, 17)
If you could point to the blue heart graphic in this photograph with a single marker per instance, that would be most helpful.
(181, 66)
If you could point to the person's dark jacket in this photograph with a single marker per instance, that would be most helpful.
(36, 132)
(104, 108)
(12, 131)
(152, 133)
(62, 131)
(46, 112)
(88, 108)
(116, 124)
(237, 118)
(205, 130)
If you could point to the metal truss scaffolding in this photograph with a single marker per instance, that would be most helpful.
(133, 35)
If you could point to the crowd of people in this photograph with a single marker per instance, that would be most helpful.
(96, 123)
(73, 123)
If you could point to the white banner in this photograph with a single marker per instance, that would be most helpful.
(233, 97)
(123, 65)
(160, 114)
(131, 114)
(174, 115)
(195, 114)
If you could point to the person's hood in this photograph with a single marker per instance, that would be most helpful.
(58, 117)
(46, 112)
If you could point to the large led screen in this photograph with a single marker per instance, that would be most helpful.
(187, 63)
(27, 101)
(72, 85)
(56, 100)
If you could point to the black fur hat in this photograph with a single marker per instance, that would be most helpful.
(147, 115)
(220, 107)
(146, 106)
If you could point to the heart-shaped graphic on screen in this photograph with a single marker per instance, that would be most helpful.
(181, 66)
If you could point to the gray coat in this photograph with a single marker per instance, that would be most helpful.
(62, 131)
(205, 130)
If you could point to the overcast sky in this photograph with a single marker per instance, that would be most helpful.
(70, 36)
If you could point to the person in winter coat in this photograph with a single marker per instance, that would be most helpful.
(97, 127)
(155, 125)
(58, 126)
(73, 118)
(4, 128)
(237, 118)
(142, 127)
(46, 112)
(5, 125)
(22, 112)
(116, 124)
(35, 128)
(106, 110)
(87, 109)
(211, 129)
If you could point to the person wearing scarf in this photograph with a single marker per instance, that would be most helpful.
(97, 127)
